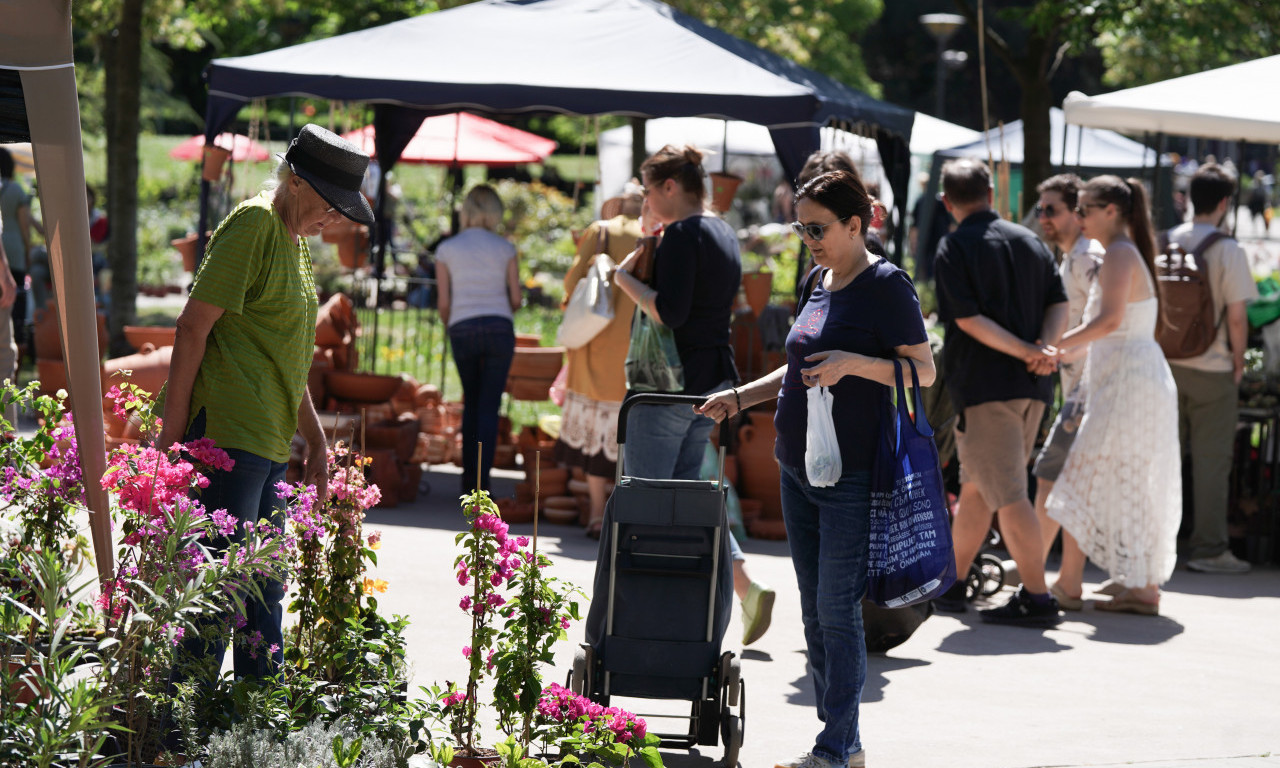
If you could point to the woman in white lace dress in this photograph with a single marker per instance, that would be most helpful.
(1120, 492)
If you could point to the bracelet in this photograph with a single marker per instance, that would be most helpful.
(737, 398)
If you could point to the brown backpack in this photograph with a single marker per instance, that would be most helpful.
(1188, 324)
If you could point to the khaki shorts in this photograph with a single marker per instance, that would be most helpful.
(996, 445)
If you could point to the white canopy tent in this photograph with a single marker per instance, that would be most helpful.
(1228, 103)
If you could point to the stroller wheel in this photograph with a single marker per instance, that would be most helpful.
(580, 675)
(973, 583)
(732, 740)
(992, 570)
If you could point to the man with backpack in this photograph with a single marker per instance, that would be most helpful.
(1204, 338)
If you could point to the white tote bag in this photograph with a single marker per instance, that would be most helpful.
(590, 307)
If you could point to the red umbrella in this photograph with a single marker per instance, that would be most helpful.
(242, 148)
(463, 138)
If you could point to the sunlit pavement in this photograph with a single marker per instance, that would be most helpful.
(1197, 686)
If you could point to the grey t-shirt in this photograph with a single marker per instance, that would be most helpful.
(477, 262)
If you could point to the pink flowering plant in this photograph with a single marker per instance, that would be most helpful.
(181, 570)
(518, 612)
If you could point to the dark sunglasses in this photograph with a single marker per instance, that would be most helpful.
(1049, 210)
(814, 232)
(1083, 208)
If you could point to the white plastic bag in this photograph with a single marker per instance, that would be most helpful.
(590, 307)
(821, 448)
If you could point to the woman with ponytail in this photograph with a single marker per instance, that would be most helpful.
(1120, 491)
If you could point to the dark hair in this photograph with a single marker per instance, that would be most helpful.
(842, 193)
(682, 164)
(965, 181)
(1065, 184)
(1210, 184)
(1131, 198)
(6, 164)
(825, 162)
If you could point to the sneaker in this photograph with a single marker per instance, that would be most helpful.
(1223, 563)
(809, 760)
(757, 612)
(954, 600)
(1022, 611)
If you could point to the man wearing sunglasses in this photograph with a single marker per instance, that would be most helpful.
(1004, 306)
(1081, 258)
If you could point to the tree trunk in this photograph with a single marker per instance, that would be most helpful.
(1036, 164)
(122, 57)
(638, 152)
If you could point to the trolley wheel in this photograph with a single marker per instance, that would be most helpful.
(580, 675)
(992, 570)
(731, 729)
(973, 583)
(730, 676)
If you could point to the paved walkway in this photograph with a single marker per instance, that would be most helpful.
(1198, 686)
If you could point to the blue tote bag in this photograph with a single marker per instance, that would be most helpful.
(911, 558)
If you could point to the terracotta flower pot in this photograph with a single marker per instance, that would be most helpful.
(360, 387)
(150, 368)
(187, 246)
(537, 362)
(757, 286)
(528, 339)
(215, 158)
(52, 375)
(757, 469)
(156, 336)
(723, 187)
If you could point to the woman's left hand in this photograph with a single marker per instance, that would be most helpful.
(832, 366)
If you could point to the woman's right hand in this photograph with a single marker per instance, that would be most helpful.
(720, 405)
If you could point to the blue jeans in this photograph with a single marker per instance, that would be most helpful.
(667, 442)
(248, 491)
(482, 351)
(827, 529)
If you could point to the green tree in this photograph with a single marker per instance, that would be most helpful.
(1141, 40)
(821, 36)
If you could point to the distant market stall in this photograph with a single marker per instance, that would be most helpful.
(629, 57)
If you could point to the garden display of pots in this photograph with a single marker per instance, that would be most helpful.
(533, 371)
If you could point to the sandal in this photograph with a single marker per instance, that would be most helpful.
(1127, 602)
(593, 528)
(1065, 601)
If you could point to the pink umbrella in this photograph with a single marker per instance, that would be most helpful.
(462, 138)
(242, 148)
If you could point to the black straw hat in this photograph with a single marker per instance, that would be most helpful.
(334, 167)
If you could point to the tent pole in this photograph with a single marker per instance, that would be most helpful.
(1157, 201)
(1066, 130)
(724, 149)
(1079, 147)
(1235, 198)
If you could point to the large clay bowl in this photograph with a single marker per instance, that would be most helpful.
(360, 387)
(157, 336)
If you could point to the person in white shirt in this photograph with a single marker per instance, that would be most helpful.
(1081, 258)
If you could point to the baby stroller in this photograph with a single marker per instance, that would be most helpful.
(661, 601)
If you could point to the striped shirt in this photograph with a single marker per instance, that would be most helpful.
(254, 372)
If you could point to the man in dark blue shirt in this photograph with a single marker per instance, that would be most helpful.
(1004, 306)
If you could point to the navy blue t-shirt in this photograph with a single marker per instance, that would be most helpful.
(697, 272)
(872, 315)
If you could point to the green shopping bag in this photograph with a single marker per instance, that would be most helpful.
(653, 363)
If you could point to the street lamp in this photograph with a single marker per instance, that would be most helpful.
(942, 26)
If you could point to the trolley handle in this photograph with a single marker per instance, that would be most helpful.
(658, 398)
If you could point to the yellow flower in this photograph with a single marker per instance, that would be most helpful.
(372, 585)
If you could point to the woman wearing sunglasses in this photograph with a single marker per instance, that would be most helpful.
(860, 314)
